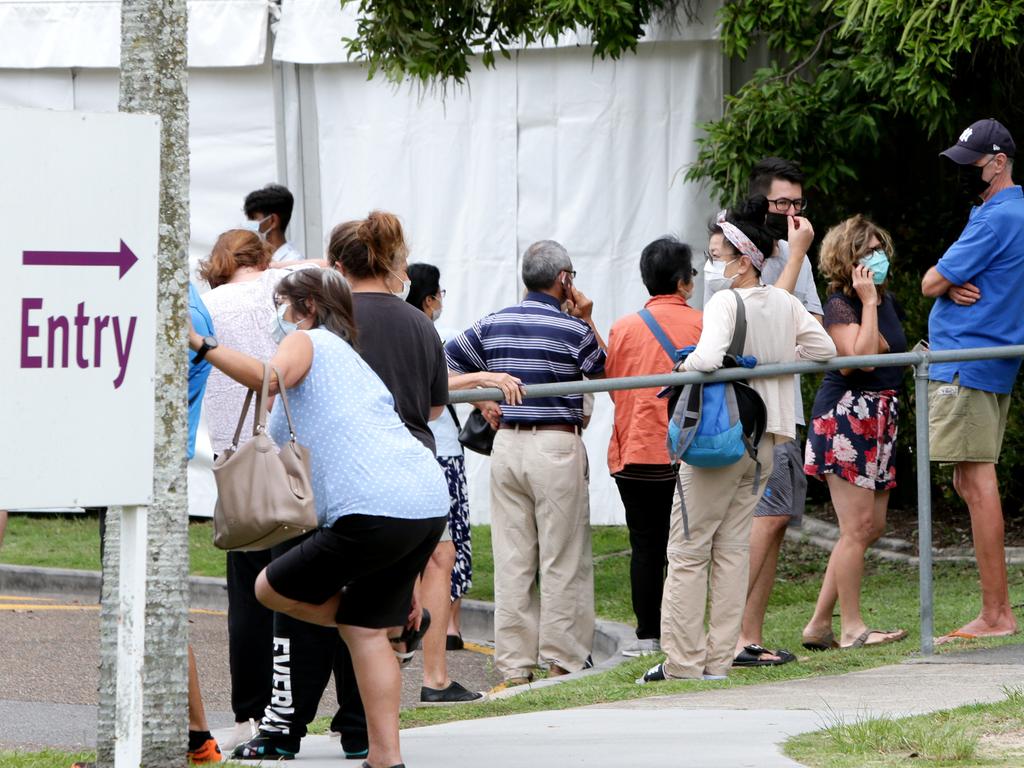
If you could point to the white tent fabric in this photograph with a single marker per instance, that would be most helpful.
(38, 34)
(552, 144)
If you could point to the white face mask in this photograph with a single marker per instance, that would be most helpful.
(406, 286)
(436, 314)
(715, 279)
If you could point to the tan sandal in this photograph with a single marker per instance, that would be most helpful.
(862, 641)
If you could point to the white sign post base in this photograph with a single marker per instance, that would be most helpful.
(131, 638)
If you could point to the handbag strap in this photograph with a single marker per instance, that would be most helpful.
(455, 416)
(739, 333)
(659, 333)
(283, 392)
(241, 420)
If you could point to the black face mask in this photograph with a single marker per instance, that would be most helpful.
(970, 183)
(778, 225)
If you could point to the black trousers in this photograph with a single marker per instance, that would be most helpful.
(250, 630)
(648, 506)
(303, 658)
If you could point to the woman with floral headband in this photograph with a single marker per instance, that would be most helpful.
(852, 437)
(720, 502)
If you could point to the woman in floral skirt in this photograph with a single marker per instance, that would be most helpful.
(851, 443)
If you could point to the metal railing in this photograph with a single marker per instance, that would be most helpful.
(920, 361)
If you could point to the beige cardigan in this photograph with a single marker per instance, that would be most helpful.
(779, 330)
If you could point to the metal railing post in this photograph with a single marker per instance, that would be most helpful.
(924, 508)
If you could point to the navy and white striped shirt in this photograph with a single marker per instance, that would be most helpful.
(538, 343)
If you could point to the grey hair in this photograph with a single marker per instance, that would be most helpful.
(542, 262)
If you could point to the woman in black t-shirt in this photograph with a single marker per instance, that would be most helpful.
(852, 438)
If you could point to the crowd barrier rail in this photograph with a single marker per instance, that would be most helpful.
(920, 359)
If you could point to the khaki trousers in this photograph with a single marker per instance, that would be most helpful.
(720, 505)
(540, 524)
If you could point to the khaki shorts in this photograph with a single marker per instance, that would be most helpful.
(965, 424)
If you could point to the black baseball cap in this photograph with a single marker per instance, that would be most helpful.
(985, 137)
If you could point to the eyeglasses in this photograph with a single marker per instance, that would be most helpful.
(441, 293)
(726, 257)
(693, 272)
(783, 204)
(570, 272)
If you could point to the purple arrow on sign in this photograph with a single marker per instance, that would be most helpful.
(123, 259)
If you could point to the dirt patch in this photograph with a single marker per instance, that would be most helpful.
(949, 528)
(1008, 747)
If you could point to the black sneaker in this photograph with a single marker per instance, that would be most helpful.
(267, 745)
(655, 674)
(453, 694)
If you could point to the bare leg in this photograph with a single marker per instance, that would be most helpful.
(322, 615)
(380, 686)
(196, 711)
(436, 596)
(861, 514)
(3, 525)
(766, 537)
(454, 625)
(977, 485)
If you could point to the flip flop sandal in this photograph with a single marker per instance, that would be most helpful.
(751, 655)
(862, 641)
(824, 642)
(411, 637)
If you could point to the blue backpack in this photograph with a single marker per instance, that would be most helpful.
(713, 425)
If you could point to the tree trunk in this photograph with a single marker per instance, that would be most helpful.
(154, 81)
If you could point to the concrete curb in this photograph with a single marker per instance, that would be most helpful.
(824, 535)
(610, 637)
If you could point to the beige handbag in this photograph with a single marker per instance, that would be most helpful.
(264, 497)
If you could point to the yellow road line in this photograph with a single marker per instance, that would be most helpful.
(475, 648)
(32, 607)
(19, 598)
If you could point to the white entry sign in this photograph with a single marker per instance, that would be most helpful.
(78, 307)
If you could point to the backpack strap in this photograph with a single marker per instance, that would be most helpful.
(739, 333)
(659, 333)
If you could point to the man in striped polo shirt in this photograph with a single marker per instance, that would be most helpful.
(540, 504)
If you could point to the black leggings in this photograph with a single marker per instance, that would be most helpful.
(648, 506)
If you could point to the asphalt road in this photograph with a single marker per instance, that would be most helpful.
(49, 670)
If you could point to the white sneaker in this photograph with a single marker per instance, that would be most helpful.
(643, 647)
(240, 734)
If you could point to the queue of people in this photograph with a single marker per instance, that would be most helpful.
(357, 343)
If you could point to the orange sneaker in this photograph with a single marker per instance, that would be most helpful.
(209, 752)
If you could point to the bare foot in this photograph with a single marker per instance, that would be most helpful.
(972, 630)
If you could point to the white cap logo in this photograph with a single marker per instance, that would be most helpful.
(966, 134)
(995, 147)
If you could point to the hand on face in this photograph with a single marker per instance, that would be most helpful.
(801, 235)
(864, 284)
(579, 304)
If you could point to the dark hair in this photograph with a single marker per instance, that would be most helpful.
(367, 247)
(748, 218)
(426, 281)
(233, 249)
(326, 291)
(769, 168)
(663, 263)
(273, 198)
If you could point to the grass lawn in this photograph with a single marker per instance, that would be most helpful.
(976, 735)
(889, 600)
(48, 758)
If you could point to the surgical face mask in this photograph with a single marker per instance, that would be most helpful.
(715, 279)
(436, 314)
(406, 287)
(970, 182)
(878, 263)
(778, 225)
(254, 227)
(279, 327)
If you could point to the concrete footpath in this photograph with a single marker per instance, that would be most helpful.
(741, 727)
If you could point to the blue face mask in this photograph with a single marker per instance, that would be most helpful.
(878, 263)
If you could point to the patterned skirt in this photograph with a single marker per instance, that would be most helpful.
(458, 523)
(856, 440)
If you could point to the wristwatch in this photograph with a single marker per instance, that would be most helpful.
(209, 342)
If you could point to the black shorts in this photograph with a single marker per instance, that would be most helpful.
(373, 561)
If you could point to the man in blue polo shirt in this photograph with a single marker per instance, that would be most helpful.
(978, 284)
(540, 504)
